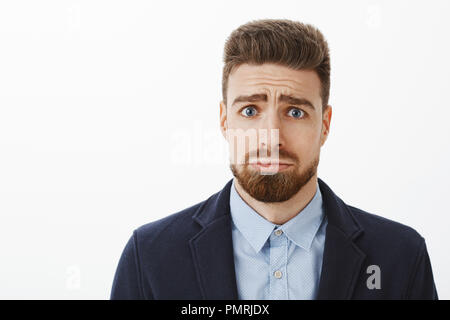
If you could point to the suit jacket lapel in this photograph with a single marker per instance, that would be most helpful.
(342, 259)
(212, 248)
(341, 266)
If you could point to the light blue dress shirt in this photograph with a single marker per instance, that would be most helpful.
(277, 262)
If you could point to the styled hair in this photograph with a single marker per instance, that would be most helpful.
(289, 43)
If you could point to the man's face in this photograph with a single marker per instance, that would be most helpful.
(285, 118)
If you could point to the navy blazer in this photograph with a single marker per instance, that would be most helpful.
(189, 255)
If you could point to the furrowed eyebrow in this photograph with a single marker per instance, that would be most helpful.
(296, 101)
(258, 97)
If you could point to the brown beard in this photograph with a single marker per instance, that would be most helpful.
(277, 187)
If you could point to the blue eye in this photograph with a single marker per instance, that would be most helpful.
(296, 113)
(248, 111)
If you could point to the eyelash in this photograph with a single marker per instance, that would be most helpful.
(251, 105)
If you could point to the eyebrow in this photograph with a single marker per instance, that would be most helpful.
(290, 99)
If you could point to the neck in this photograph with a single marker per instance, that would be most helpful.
(281, 212)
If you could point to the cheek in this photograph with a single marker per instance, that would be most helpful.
(303, 141)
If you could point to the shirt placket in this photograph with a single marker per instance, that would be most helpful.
(278, 265)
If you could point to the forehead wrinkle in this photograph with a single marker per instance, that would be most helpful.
(293, 84)
(271, 81)
(253, 82)
(288, 90)
(266, 87)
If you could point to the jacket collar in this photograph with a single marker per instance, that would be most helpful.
(212, 248)
(342, 259)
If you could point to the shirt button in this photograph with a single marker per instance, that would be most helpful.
(278, 232)
(278, 274)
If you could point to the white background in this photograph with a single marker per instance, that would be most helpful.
(109, 119)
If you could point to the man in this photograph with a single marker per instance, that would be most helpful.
(275, 231)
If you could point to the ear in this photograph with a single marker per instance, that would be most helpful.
(223, 119)
(326, 121)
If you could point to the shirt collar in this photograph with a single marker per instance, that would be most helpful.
(301, 229)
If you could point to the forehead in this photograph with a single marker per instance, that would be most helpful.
(247, 79)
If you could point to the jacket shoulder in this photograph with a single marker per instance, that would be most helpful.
(171, 225)
(387, 237)
(383, 228)
(177, 226)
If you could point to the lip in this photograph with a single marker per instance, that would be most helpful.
(269, 161)
(273, 163)
(271, 166)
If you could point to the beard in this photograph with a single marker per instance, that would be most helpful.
(277, 187)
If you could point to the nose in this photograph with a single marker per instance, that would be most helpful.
(273, 120)
(271, 136)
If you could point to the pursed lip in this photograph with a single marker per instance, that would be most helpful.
(263, 161)
(272, 163)
(268, 165)
(277, 167)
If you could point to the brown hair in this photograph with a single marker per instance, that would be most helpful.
(281, 41)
